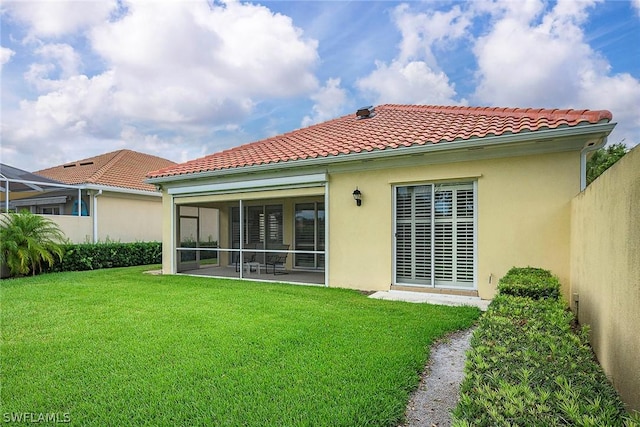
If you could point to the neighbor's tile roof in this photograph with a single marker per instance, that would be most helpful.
(391, 127)
(122, 168)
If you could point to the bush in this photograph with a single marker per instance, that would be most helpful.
(93, 256)
(527, 367)
(529, 282)
(28, 241)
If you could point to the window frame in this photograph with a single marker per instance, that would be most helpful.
(457, 246)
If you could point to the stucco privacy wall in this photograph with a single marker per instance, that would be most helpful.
(523, 217)
(126, 218)
(78, 229)
(605, 271)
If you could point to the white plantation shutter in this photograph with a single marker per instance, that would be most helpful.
(443, 252)
(443, 247)
(435, 234)
(413, 234)
(464, 235)
(422, 255)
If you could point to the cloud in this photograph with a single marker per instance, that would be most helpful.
(188, 63)
(421, 32)
(59, 62)
(167, 68)
(54, 18)
(621, 95)
(5, 55)
(414, 76)
(533, 57)
(329, 103)
(636, 5)
(411, 83)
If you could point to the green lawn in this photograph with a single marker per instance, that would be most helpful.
(119, 347)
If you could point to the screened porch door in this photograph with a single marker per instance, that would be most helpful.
(435, 235)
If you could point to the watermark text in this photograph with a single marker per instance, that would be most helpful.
(37, 417)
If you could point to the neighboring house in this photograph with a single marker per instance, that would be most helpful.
(41, 195)
(24, 190)
(106, 198)
(450, 198)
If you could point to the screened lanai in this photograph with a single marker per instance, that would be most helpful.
(269, 236)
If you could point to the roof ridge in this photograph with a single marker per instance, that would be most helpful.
(117, 155)
(503, 111)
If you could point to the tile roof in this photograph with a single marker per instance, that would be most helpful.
(391, 126)
(122, 168)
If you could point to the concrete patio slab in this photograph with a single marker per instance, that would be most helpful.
(421, 297)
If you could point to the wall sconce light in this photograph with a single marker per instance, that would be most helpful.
(357, 195)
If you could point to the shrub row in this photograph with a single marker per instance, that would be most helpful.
(528, 367)
(93, 256)
(529, 282)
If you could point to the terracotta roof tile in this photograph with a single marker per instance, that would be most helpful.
(391, 127)
(122, 168)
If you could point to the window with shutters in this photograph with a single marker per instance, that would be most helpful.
(435, 235)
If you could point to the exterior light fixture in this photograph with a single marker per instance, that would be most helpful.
(357, 195)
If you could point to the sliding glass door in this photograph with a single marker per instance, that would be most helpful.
(435, 235)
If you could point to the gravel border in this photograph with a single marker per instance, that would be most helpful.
(431, 404)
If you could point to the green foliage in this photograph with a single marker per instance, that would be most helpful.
(93, 256)
(603, 159)
(527, 366)
(529, 282)
(28, 240)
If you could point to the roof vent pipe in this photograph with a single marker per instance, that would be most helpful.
(365, 112)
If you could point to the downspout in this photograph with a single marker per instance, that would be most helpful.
(327, 243)
(588, 148)
(95, 215)
(79, 202)
(7, 196)
(241, 246)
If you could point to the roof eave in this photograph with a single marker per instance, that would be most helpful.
(122, 190)
(600, 130)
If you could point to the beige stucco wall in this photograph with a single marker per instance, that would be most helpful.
(523, 217)
(605, 271)
(76, 229)
(129, 218)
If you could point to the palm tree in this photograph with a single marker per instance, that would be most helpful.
(26, 240)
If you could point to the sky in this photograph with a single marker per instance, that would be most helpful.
(184, 79)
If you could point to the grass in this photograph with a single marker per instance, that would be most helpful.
(118, 347)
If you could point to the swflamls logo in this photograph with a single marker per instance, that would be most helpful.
(37, 417)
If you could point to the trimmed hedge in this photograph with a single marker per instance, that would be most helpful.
(529, 282)
(528, 367)
(90, 256)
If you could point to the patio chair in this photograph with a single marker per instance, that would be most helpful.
(248, 256)
(277, 258)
